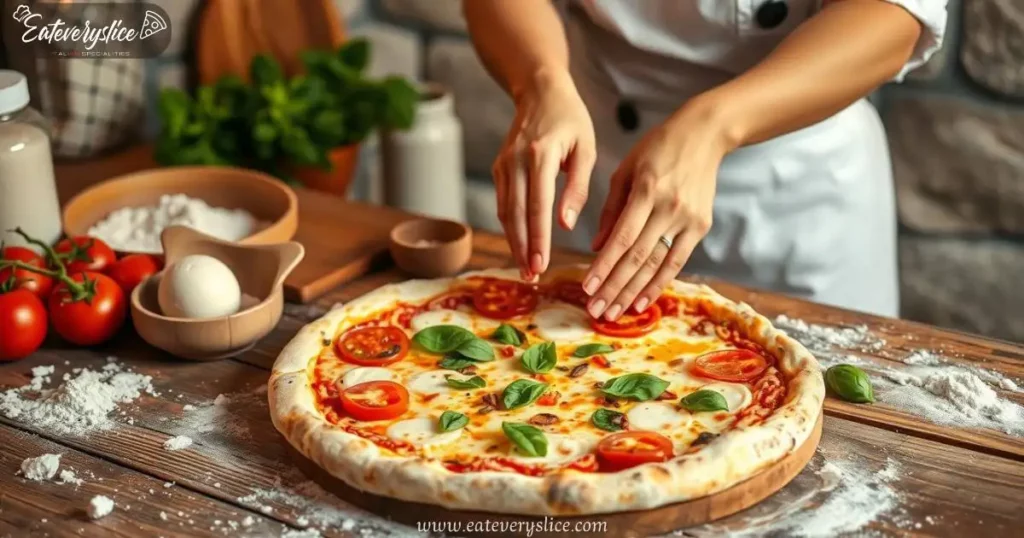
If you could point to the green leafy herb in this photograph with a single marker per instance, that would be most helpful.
(587, 350)
(850, 383)
(522, 392)
(475, 382)
(455, 362)
(704, 400)
(530, 440)
(476, 349)
(608, 420)
(641, 387)
(540, 358)
(451, 421)
(443, 338)
(509, 335)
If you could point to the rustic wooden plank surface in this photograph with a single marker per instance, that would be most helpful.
(58, 509)
(241, 454)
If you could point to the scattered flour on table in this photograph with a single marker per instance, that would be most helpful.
(99, 506)
(68, 476)
(178, 443)
(846, 497)
(928, 386)
(79, 405)
(138, 228)
(41, 468)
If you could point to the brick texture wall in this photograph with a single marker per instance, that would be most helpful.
(956, 129)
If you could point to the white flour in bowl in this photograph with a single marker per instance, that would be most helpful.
(137, 229)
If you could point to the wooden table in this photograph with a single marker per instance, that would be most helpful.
(951, 482)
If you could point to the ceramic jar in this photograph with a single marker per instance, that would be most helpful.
(423, 169)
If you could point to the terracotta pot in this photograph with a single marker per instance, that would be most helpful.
(338, 178)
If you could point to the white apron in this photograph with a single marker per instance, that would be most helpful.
(811, 213)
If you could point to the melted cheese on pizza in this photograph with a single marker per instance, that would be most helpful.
(565, 411)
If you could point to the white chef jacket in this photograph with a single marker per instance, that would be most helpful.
(810, 213)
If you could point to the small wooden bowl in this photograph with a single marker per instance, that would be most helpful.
(266, 198)
(431, 248)
(260, 269)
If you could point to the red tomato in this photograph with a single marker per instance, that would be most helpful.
(373, 346)
(736, 365)
(504, 299)
(375, 400)
(669, 305)
(22, 324)
(628, 449)
(92, 319)
(25, 279)
(570, 292)
(85, 254)
(131, 270)
(630, 323)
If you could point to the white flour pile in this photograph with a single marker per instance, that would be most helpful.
(99, 506)
(138, 228)
(178, 443)
(68, 476)
(79, 405)
(929, 386)
(41, 468)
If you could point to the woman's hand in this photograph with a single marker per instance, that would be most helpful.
(664, 188)
(552, 131)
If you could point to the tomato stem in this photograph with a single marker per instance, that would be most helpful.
(79, 291)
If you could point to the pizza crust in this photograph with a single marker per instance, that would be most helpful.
(734, 456)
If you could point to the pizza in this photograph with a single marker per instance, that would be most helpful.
(486, 393)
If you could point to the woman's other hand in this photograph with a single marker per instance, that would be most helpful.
(664, 188)
(552, 131)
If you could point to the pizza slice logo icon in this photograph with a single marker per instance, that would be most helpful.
(152, 24)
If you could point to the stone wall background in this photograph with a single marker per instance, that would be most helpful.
(956, 129)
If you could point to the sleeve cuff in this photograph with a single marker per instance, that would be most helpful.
(932, 16)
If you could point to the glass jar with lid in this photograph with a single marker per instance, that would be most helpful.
(28, 190)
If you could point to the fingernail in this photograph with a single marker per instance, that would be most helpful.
(536, 263)
(597, 308)
(641, 304)
(613, 313)
(570, 218)
(591, 286)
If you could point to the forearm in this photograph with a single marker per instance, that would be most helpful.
(522, 42)
(836, 57)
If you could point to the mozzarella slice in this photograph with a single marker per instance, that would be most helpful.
(442, 317)
(736, 396)
(657, 417)
(366, 374)
(561, 324)
(432, 382)
(422, 432)
(561, 449)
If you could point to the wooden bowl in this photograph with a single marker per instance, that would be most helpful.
(260, 269)
(431, 248)
(266, 198)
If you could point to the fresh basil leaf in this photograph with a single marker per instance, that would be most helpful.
(451, 421)
(641, 387)
(442, 338)
(540, 358)
(475, 382)
(608, 420)
(522, 392)
(530, 440)
(509, 335)
(850, 383)
(587, 350)
(455, 362)
(704, 400)
(476, 349)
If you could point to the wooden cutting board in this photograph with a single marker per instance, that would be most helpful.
(343, 241)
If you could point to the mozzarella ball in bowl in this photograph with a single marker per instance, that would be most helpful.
(199, 286)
